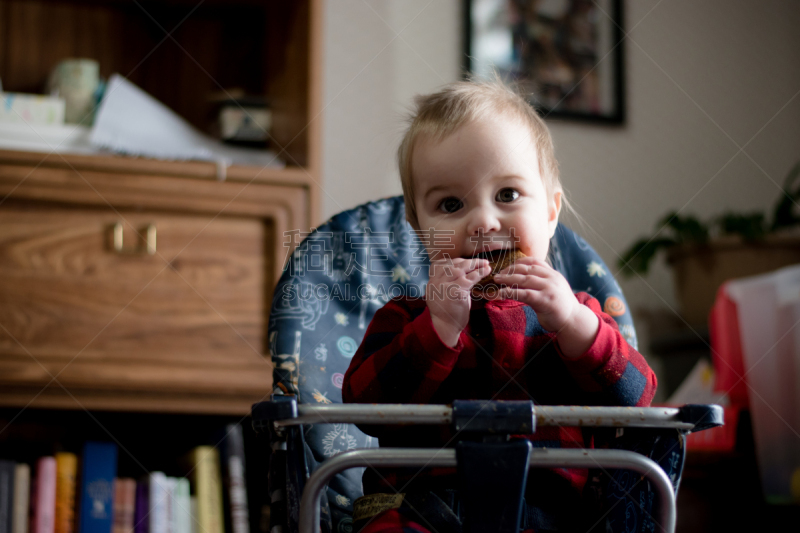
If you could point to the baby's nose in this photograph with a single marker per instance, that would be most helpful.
(483, 221)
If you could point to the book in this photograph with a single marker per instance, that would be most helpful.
(66, 472)
(195, 527)
(97, 487)
(159, 502)
(44, 496)
(7, 469)
(205, 472)
(124, 504)
(22, 493)
(170, 503)
(181, 505)
(237, 519)
(141, 522)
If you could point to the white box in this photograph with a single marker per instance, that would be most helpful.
(768, 307)
(21, 108)
(245, 123)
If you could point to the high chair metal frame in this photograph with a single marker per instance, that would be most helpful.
(491, 418)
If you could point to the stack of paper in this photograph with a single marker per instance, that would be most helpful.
(130, 121)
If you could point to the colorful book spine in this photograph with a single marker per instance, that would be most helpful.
(141, 520)
(124, 504)
(208, 487)
(181, 506)
(44, 501)
(195, 523)
(22, 492)
(66, 473)
(7, 469)
(159, 502)
(233, 469)
(97, 487)
(170, 500)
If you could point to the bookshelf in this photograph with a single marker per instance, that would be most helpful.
(146, 442)
(156, 353)
(181, 332)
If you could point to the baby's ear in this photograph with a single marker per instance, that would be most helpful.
(553, 210)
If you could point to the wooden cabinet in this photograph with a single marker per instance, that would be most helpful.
(84, 325)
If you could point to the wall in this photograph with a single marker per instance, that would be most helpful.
(713, 113)
(378, 54)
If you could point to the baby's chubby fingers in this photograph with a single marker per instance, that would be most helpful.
(522, 281)
(527, 273)
(452, 269)
(472, 276)
(539, 299)
(524, 295)
(526, 265)
(512, 293)
(478, 273)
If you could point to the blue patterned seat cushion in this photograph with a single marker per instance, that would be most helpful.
(337, 278)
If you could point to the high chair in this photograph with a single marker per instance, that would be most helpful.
(332, 285)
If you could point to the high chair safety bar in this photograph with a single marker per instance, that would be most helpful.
(540, 458)
(289, 413)
(662, 417)
(486, 418)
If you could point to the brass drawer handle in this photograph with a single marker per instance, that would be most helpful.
(149, 247)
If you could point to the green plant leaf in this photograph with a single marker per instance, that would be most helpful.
(638, 257)
(680, 230)
(685, 230)
(750, 227)
(783, 215)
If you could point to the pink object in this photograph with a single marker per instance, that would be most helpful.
(729, 375)
(726, 349)
(44, 496)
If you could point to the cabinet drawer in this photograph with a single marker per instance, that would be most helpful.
(88, 322)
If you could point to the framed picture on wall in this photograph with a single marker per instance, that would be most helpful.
(566, 54)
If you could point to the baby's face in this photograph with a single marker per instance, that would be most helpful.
(480, 190)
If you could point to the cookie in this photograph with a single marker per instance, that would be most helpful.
(498, 260)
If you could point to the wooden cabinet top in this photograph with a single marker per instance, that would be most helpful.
(83, 325)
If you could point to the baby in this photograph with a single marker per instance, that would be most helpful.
(479, 173)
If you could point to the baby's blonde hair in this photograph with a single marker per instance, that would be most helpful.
(439, 114)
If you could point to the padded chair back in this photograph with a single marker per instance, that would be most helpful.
(334, 282)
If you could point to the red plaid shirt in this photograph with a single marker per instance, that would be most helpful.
(503, 354)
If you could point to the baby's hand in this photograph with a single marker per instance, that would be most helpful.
(448, 294)
(537, 284)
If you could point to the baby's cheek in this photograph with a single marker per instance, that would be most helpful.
(539, 251)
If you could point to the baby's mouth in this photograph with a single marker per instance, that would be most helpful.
(494, 256)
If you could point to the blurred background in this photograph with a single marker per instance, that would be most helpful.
(160, 160)
(713, 114)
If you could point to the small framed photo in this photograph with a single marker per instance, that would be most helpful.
(567, 54)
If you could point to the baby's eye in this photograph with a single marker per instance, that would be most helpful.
(507, 195)
(450, 205)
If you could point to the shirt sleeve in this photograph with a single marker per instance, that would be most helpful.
(611, 370)
(401, 359)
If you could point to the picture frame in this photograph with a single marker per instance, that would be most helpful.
(566, 54)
